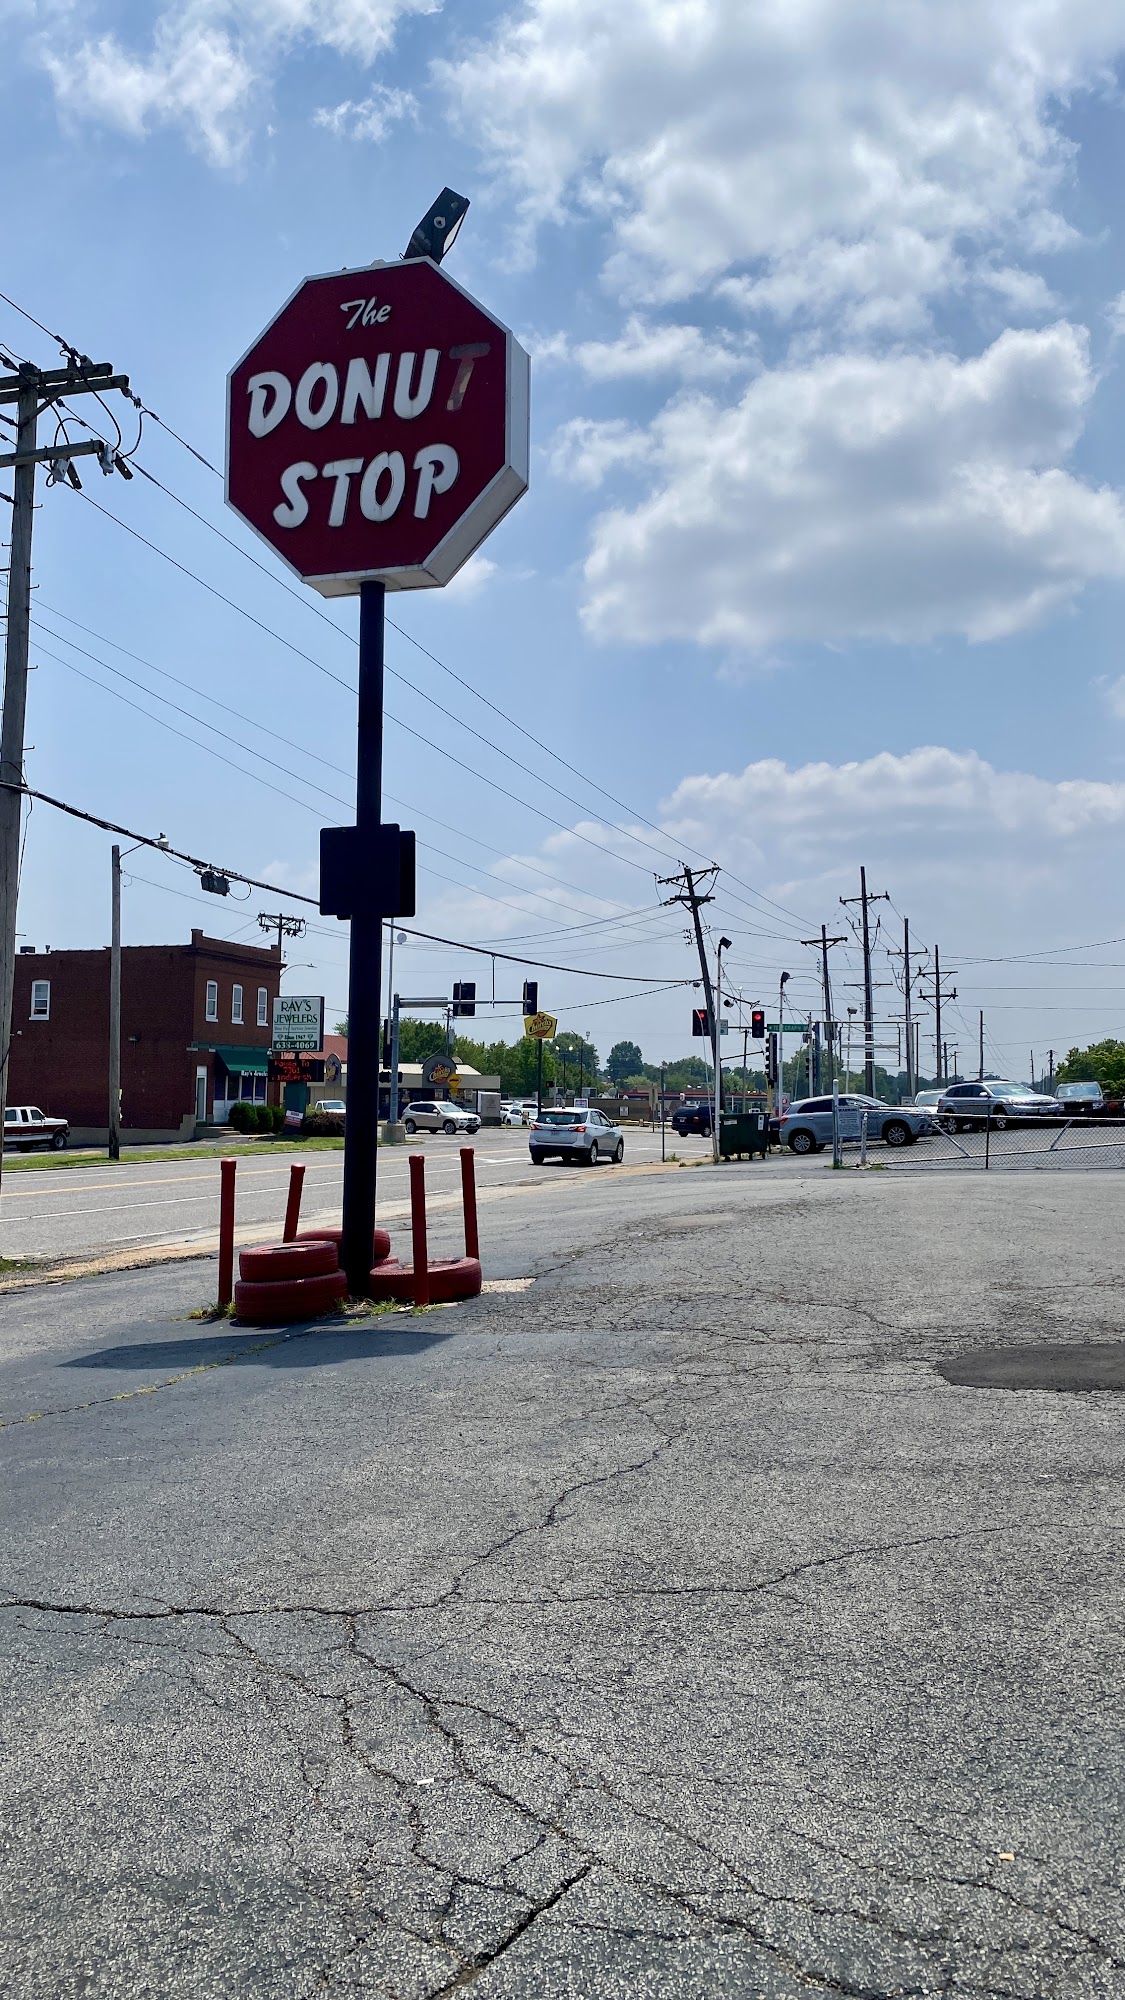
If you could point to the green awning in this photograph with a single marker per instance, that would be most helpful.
(244, 1062)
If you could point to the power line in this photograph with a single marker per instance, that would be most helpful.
(556, 881)
(538, 895)
(294, 895)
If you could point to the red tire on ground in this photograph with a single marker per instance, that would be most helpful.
(451, 1278)
(272, 1263)
(380, 1248)
(288, 1300)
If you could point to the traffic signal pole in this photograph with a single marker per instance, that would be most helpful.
(361, 1119)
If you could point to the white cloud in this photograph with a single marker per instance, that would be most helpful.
(933, 802)
(209, 63)
(372, 117)
(1113, 695)
(477, 573)
(856, 497)
(837, 154)
(585, 451)
(646, 350)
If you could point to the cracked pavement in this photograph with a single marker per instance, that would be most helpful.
(669, 1629)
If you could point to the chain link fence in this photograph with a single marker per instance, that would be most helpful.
(1019, 1145)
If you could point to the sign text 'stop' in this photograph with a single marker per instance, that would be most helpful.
(378, 428)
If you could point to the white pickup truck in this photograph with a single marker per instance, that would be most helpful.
(25, 1125)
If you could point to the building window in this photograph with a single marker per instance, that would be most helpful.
(236, 1006)
(40, 999)
(212, 999)
(263, 1007)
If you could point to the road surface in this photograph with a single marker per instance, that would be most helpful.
(70, 1211)
(672, 1628)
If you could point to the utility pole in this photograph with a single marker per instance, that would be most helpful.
(865, 897)
(32, 390)
(911, 1044)
(911, 1081)
(936, 999)
(825, 942)
(980, 1062)
(690, 895)
(286, 927)
(1051, 1071)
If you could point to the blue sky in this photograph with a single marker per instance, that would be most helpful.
(823, 557)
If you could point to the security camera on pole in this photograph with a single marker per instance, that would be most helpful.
(377, 431)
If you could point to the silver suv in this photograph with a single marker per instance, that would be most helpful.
(969, 1107)
(430, 1117)
(806, 1127)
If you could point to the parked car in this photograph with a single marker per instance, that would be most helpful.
(331, 1104)
(577, 1134)
(25, 1125)
(969, 1107)
(431, 1117)
(511, 1114)
(692, 1118)
(807, 1126)
(1082, 1100)
(927, 1100)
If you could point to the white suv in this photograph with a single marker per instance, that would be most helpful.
(430, 1117)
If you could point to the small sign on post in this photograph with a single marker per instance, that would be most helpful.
(541, 1027)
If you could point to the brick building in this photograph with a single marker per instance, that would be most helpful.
(196, 1022)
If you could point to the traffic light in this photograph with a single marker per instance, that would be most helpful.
(700, 1022)
(531, 996)
(464, 997)
(771, 1067)
(758, 1023)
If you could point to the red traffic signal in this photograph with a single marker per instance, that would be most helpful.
(758, 1023)
(700, 1025)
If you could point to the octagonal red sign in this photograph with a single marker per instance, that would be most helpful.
(379, 427)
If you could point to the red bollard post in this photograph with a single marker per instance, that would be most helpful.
(418, 1229)
(293, 1205)
(227, 1170)
(469, 1201)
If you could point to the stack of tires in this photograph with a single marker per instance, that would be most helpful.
(282, 1282)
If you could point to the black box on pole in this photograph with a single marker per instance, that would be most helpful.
(368, 875)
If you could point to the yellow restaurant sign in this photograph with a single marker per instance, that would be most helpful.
(541, 1027)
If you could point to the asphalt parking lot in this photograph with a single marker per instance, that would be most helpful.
(671, 1626)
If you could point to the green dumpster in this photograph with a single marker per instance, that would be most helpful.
(743, 1133)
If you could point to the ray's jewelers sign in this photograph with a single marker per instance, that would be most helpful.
(298, 1023)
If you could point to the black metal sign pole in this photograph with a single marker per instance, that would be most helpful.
(361, 1125)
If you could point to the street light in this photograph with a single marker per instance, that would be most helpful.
(437, 231)
(116, 857)
(716, 1034)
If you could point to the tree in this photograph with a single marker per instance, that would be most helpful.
(625, 1059)
(419, 1039)
(1102, 1062)
(578, 1056)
